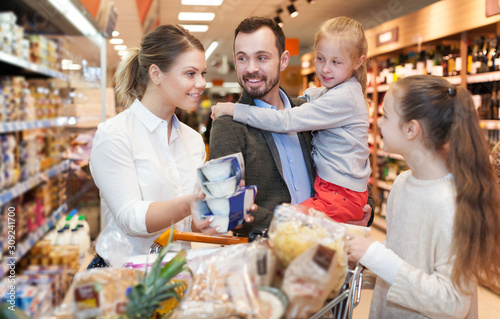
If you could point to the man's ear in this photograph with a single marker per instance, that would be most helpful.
(155, 74)
(285, 59)
(411, 129)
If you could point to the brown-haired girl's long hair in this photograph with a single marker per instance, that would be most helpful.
(451, 126)
(352, 34)
(161, 47)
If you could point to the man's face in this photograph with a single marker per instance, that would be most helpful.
(257, 62)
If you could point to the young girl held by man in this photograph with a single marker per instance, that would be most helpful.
(336, 112)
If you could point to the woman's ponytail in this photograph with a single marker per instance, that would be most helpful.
(128, 79)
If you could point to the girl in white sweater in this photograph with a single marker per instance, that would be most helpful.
(443, 218)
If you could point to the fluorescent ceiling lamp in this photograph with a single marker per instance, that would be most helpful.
(68, 9)
(120, 47)
(202, 2)
(211, 48)
(115, 33)
(196, 16)
(195, 27)
(116, 41)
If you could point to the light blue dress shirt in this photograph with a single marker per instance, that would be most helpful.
(292, 161)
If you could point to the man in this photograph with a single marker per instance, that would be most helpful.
(279, 164)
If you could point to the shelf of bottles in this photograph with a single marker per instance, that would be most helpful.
(26, 185)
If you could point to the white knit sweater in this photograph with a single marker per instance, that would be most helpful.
(420, 216)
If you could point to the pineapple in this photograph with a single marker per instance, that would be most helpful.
(156, 287)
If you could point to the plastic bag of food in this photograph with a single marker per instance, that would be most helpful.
(310, 278)
(224, 285)
(102, 291)
(294, 229)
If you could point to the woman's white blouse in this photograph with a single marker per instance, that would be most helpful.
(133, 164)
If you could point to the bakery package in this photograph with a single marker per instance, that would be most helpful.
(298, 232)
(226, 201)
(224, 286)
(101, 292)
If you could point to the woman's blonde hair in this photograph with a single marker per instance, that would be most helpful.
(352, 36)
(450, 126)
(161, 47)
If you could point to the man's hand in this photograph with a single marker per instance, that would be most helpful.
(222, 108)
(366, 217)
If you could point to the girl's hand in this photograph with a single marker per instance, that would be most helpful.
(357, 246)
(222, 108)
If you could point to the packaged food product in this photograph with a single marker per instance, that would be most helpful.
(224, 285)
(295, 229)
(102, 291)
(310, 278)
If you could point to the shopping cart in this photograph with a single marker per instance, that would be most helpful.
(339, 308)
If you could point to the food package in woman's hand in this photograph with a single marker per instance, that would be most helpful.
(295, 229)
(224, 285)
(310, 278)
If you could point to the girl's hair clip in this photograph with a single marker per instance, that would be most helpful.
(452, 91)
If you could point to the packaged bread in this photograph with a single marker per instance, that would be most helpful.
(224, 286)
(310, 278)
(102, 291)
(294, 229)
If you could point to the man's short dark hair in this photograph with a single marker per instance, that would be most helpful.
(252, 24)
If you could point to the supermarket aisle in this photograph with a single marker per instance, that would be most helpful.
(489, 302)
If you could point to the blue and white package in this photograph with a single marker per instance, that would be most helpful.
(228, 212)
(220, 177)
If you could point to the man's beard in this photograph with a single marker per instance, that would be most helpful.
(257, 93)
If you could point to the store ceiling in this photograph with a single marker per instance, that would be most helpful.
(227, 16)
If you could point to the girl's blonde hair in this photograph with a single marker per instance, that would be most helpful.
(161, 47)
(352, 36)
(450, 125)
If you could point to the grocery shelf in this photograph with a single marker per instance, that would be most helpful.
(483, 77)
(490, 124)
(29, 66)
(390, 155)
(7, 127)
(380, 88)
(26, 185)
(25, 245)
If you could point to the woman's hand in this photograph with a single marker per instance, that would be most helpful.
(222, 108)
(357, 246)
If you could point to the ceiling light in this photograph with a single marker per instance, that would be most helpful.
(195, 27)
(292, 10)
(196, 16)
(120, 47)
(211, 48)
(202, 2)
(115, 33)
(116, 41)
(277, 19)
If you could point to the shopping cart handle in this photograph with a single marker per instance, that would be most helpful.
(199, 238)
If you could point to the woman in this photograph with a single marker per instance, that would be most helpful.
(144, 159)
